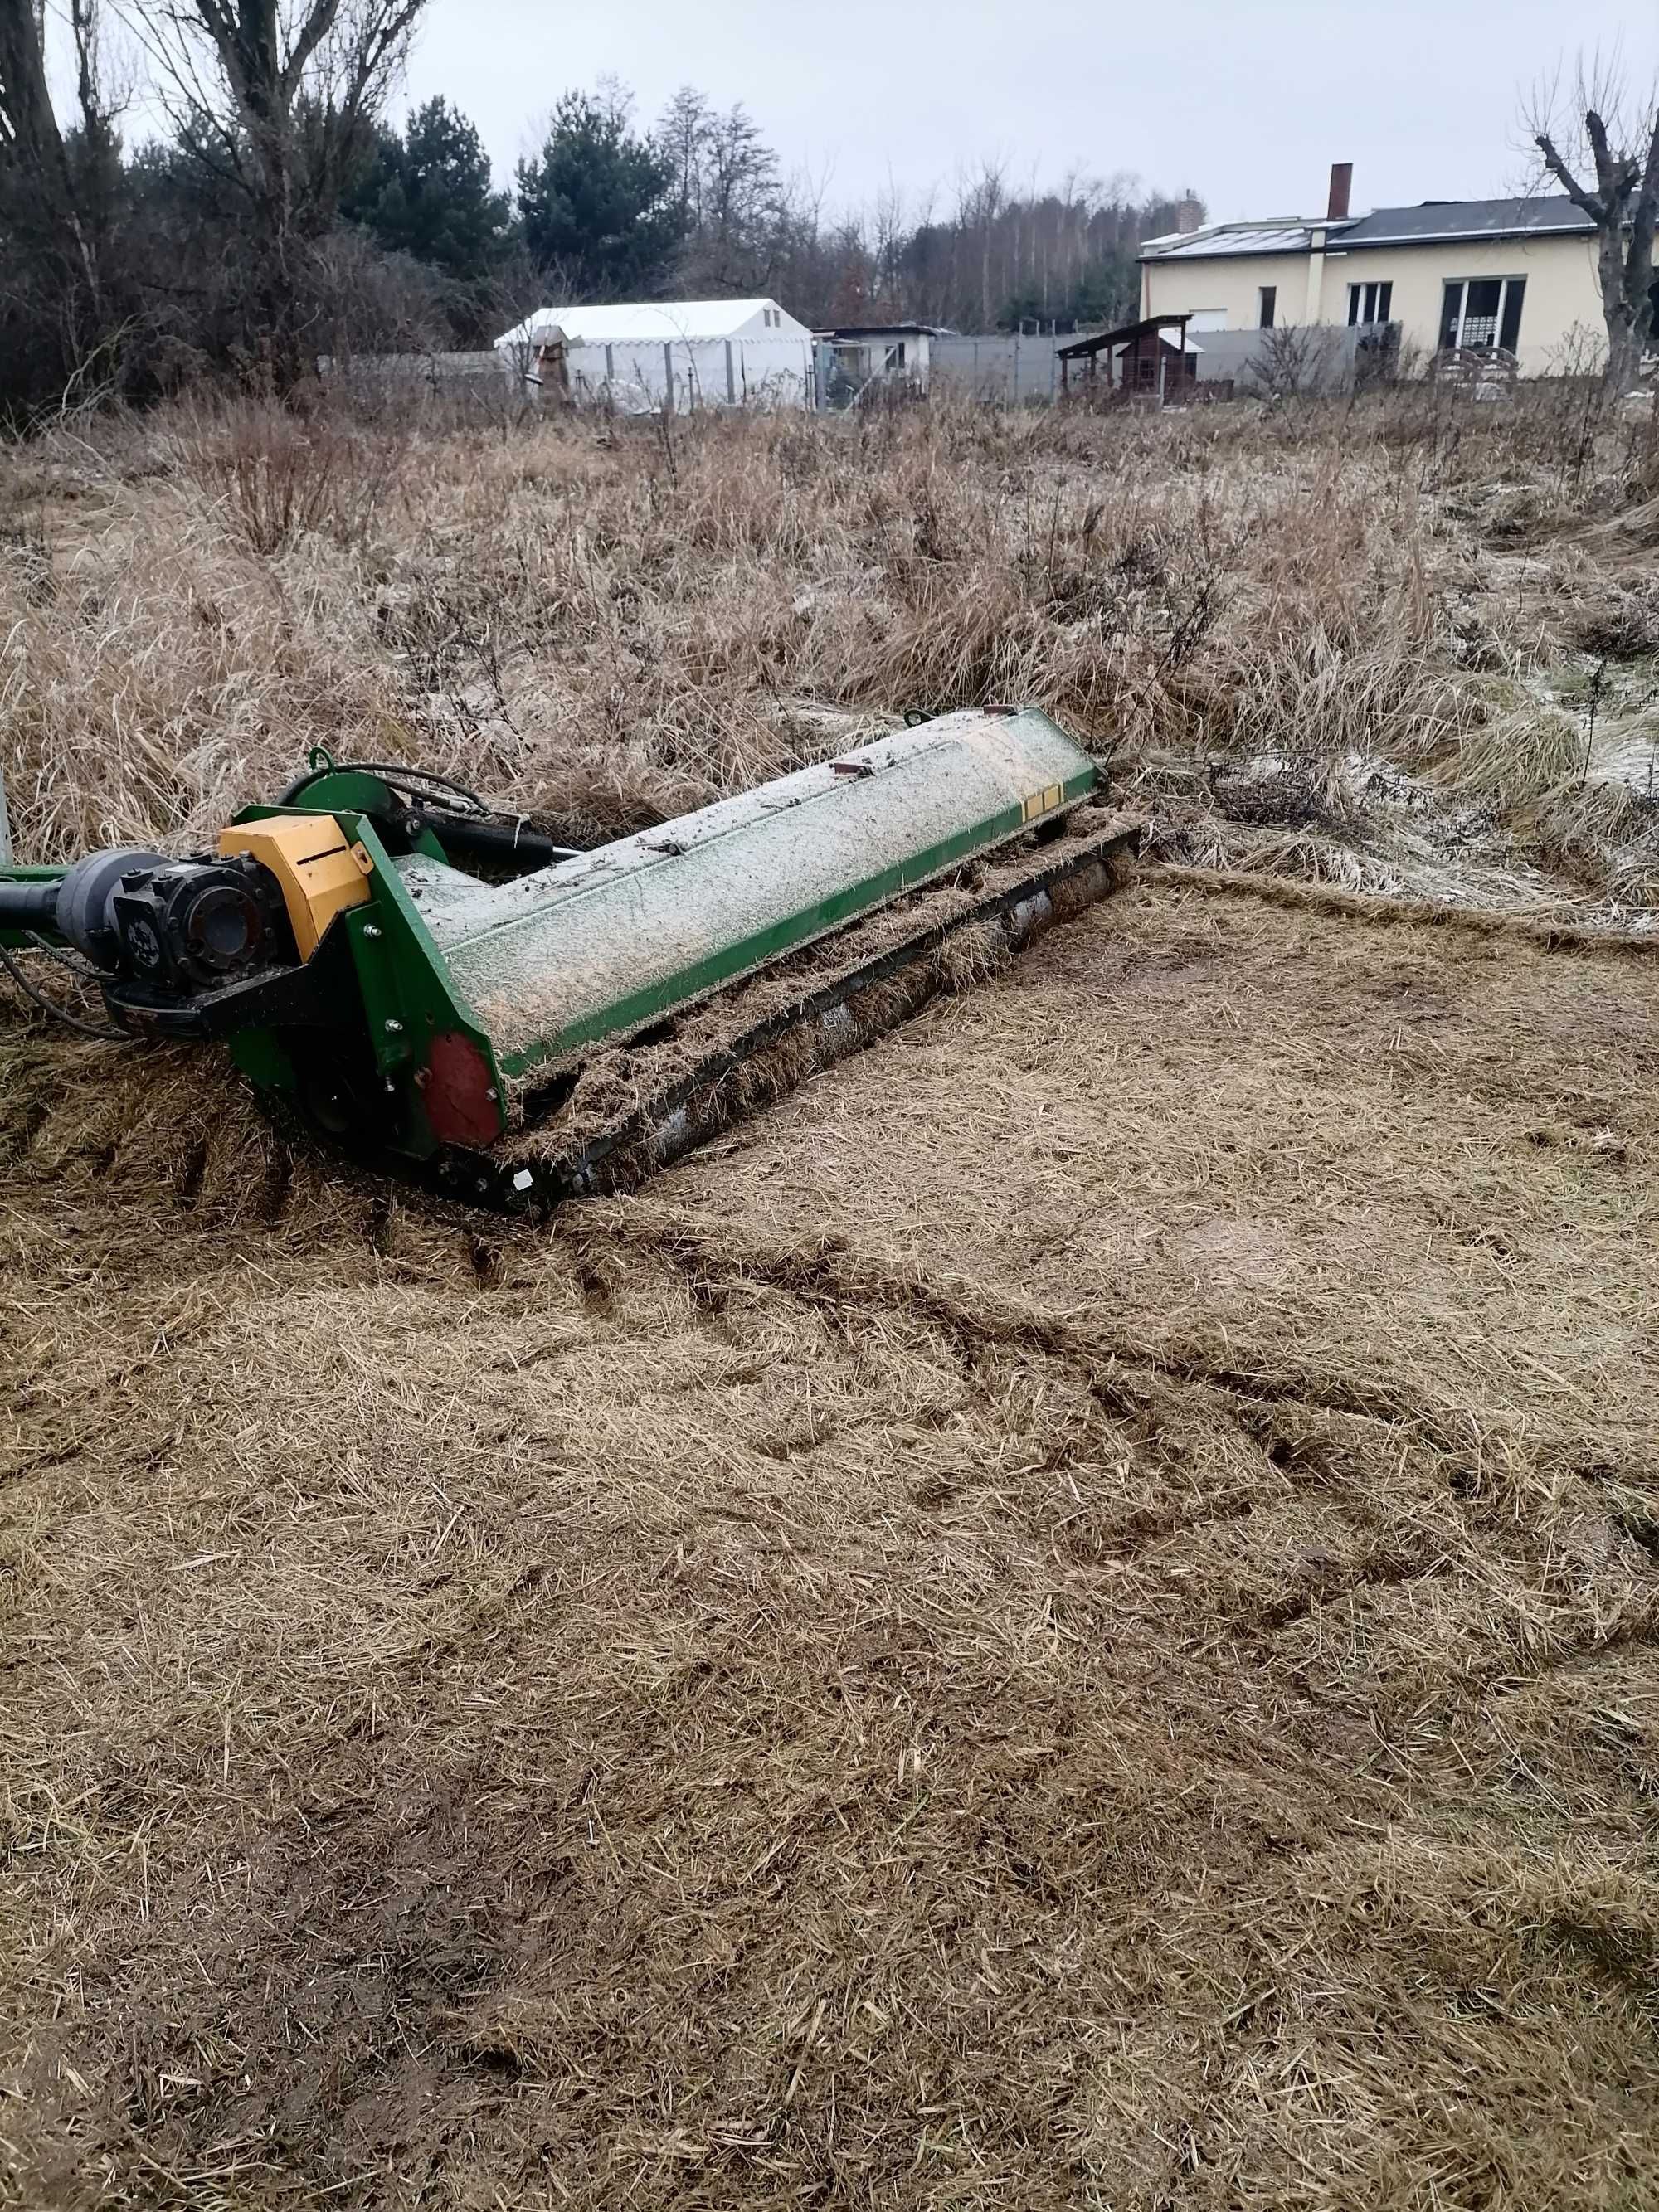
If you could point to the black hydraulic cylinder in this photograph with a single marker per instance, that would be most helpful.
(499, 844)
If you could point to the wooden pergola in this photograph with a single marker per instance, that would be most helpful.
(1147, 359)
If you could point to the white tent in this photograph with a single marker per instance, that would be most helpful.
(703, 353)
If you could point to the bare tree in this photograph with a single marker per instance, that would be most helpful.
(60, 277)
(54, 186)
(1623, 150)
(274, 100)
(681, 137)
(981, 199)
(888, 245)
(743, 200)
(31, 144)
(736, 208)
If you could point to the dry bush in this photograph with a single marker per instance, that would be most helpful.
(284, 474)
(1622, 625)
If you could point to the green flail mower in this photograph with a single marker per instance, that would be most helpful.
(439, 991)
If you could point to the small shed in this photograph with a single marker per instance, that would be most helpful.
(1154, 358)
(854, 354)
(680, 353)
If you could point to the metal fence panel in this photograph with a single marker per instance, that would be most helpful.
(1006, 367)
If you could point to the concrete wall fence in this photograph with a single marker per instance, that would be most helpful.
(1001, 370)
(1013, 371)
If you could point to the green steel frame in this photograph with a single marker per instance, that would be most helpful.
(409, 996)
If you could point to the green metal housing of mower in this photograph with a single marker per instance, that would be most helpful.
(440, 991)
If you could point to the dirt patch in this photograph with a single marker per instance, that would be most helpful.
(1064, 1618)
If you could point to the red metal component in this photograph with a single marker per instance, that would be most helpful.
(459, 1094)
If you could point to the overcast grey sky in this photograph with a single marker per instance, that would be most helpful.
(1248, 100)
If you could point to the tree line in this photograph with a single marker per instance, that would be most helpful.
(271, 213)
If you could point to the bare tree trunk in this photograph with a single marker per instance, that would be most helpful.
(57, 194)
(1624, 351)
(1625, 265)
(35, 165)
(1623, 205)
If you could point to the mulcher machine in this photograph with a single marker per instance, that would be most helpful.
(437, 989)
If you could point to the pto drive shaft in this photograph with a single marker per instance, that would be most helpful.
(28, 906)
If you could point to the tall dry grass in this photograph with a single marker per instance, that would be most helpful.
(604, 623)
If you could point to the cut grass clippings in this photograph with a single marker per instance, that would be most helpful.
(1067, 1619)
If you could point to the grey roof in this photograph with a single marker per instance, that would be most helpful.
(1430, 221)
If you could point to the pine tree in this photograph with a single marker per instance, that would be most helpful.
(598, 204)
(428, 193)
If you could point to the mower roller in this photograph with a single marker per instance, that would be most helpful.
(440, 992)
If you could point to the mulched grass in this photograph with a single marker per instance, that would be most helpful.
(1068, 1619)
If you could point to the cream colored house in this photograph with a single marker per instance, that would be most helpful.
(1518, 273)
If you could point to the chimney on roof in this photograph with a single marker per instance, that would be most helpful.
(1336, 207)
(1189, 214)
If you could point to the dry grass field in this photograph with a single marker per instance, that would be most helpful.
(1403, 646)
(1068, 1619)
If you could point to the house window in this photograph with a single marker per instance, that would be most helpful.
(1370, 303)
(895, 359)
(1267, 298)
(1482, 311)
